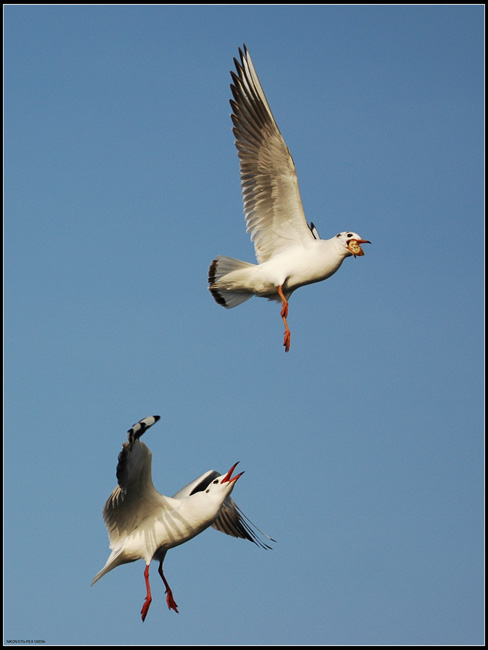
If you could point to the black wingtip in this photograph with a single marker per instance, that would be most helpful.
(243, 54)
(212, 272)
(137, 430)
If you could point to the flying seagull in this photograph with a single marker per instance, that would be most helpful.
(289, 252)
(144, 524)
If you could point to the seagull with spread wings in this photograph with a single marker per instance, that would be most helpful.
(144, 524)
(289, 252)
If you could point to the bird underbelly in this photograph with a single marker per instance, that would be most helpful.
(308, 271)
(290, 271)
(301, 279)
(153, 533)
(302, 270)
(170, 531)
(141, 543)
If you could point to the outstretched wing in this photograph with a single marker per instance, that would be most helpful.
(231, 519)
(135, 496)
(234, 522)
(272, 203)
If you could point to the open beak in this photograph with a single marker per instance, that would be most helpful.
(353, 246)
(227, 478)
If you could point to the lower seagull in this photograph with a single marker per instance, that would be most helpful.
(144, 524)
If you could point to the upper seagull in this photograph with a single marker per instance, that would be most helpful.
(143, 524)
(289, 252)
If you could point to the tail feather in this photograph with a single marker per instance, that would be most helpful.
(99, 575)
(219, 268)
(115, 559)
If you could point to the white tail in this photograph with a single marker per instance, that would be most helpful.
(115, 559)
(219, 268)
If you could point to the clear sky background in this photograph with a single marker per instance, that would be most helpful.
(363, 446)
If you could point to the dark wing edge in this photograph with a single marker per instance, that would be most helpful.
(314, 230)
(139, 428)
(133, 434)
(205, 482)
(232, 521)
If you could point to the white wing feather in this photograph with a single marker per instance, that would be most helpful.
(271, 196)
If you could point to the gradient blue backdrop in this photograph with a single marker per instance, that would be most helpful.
(362, 447)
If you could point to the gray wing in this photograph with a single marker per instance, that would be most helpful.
(234, 522)
(135, 497)
(272, 203)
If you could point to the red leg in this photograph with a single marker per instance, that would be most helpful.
(284, 309)
(147, 602)
(284, 314)
(169, 598)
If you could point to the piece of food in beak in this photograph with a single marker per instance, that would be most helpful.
(354, 247)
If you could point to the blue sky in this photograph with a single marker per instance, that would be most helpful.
(363, 446)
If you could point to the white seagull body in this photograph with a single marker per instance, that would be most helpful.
(144, 524)
(289, 252)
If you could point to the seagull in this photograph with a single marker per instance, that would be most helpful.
(289, 251)
(144, 524)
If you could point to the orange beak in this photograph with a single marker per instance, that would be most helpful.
(227, 478)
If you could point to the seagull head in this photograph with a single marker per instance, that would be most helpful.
(351, 241)
(223, 485)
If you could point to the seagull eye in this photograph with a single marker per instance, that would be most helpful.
(216, 481)
(349, 234)
(207, 491)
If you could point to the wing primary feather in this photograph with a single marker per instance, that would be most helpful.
(139, 428)
(232, 521)
(247, 523)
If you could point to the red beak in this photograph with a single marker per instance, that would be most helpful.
(227, 478)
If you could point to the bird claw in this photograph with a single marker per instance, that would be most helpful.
(145, 608)
(286, 341)
(170, 601)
